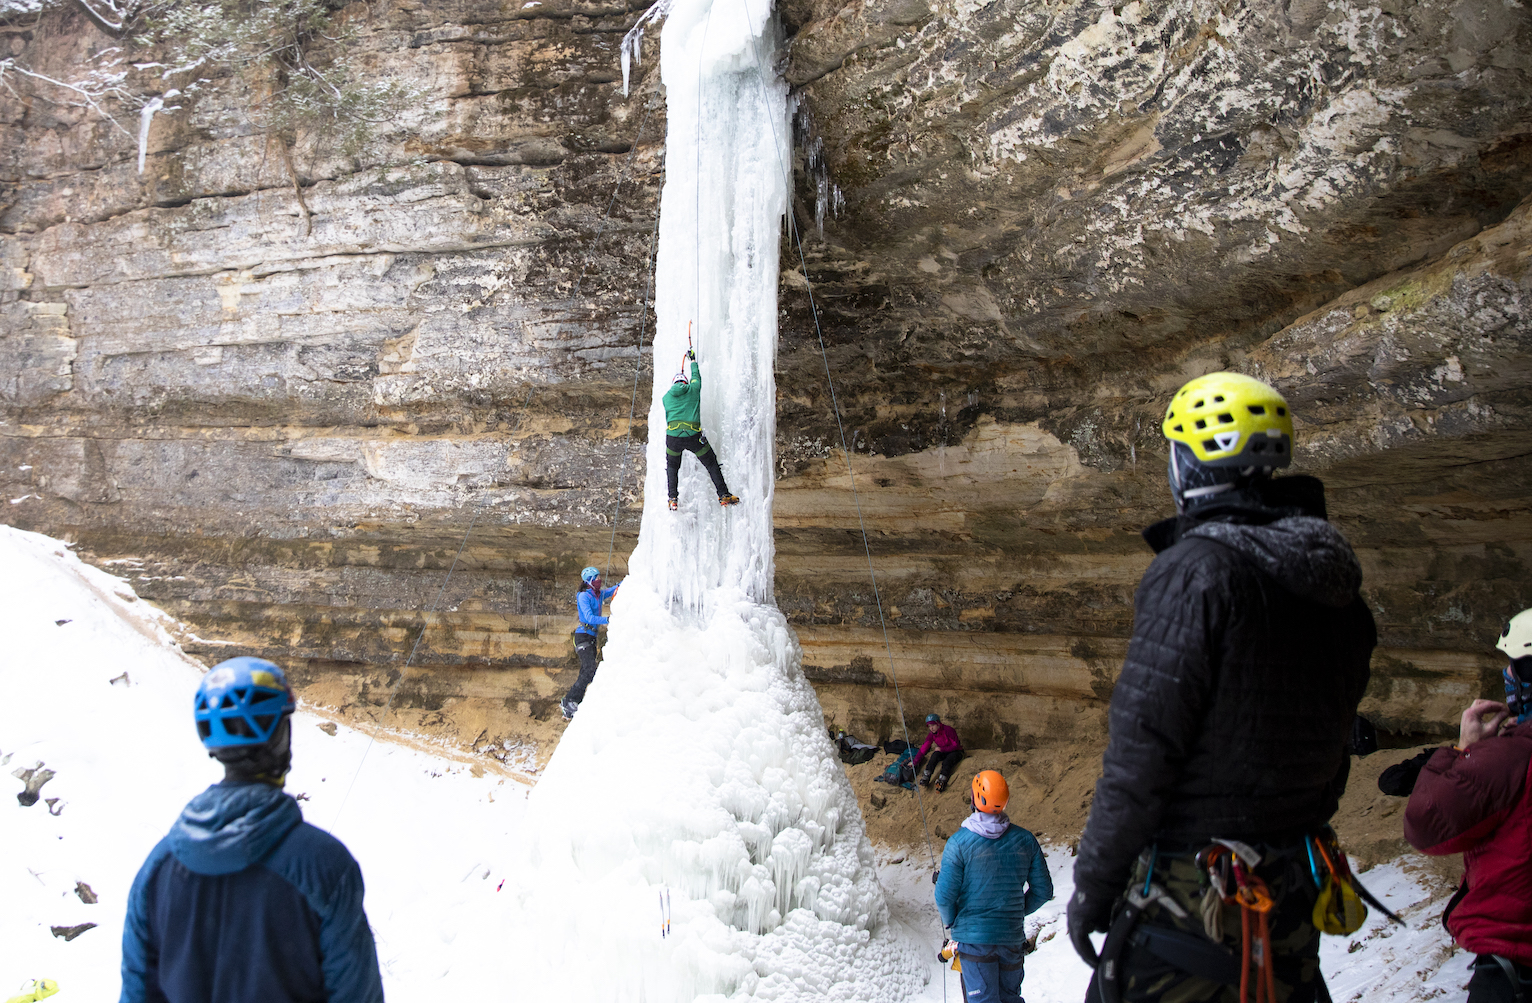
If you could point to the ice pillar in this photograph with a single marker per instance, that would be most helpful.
(698, 772)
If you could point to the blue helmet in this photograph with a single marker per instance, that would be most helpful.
(589, 575)
(240, 702)
(932, 717)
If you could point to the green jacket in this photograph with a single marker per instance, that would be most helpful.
(683, 406)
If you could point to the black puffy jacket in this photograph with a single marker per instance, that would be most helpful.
(1250, 652)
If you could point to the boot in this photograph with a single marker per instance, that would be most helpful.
(673, 504)
(728, 499)
(941, 782)
(925, 778)
(568, 707)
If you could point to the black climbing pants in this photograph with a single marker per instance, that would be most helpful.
(1491, 983)
(585, 647)
(698, 446)
(941, 763)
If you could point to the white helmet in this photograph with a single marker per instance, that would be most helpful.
(1516, 639)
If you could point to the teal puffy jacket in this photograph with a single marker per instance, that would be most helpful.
(988, 886)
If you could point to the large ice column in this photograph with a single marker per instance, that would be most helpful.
(697, 780)
(721, 214)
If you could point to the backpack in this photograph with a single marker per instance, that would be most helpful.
(901, 772)
(853, 751)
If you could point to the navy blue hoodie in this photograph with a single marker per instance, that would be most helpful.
(244, 902)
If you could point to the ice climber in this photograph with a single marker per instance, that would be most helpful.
(683, 434)
(244, 902)
(993, 876)
(1473, 798)
(588, 604)
(945, 756)
(1230, 721)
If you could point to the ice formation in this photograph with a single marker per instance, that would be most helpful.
(698, 770)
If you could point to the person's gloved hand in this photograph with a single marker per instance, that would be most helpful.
(1085, 916)
(690, 354)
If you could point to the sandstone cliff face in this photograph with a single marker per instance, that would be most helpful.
(1024, 226)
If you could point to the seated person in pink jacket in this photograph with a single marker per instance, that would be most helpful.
(948, 749)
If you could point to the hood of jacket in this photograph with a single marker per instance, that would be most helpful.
(231, 826)
(1280, 526)
(1308, 556)
(988, 826)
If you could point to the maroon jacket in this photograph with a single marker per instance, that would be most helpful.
(1478, 802)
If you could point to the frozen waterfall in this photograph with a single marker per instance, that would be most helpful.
(698, 767)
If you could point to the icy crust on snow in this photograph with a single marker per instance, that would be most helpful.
(699, 764)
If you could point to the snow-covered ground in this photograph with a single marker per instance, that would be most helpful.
(1380, 963)
(434, 842)
(427, 833)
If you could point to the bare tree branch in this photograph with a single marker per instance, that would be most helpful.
(287, 158)
(87, 97)
(116, 28)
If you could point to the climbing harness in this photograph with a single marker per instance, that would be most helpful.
(1227, 863)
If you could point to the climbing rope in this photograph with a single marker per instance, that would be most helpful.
(627, 168)
(638, 368)
(697, 179)
(394, 690)
(841, 428)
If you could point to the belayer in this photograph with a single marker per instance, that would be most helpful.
(993, 875)
(1207, 848)
(683, 434)
(588, 606)
(244, 902)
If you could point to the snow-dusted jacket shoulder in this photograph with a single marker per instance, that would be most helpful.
(243, 902)
(1250, 652)
(987, 887)
(1478, 802)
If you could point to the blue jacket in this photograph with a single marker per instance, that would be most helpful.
(980, 890)
(590, 609)
(244, 902)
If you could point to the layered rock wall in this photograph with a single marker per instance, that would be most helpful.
(1023, 226)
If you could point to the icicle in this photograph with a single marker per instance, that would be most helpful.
(144, 118)
(633, 41)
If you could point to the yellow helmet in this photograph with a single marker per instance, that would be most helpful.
(1230, 420)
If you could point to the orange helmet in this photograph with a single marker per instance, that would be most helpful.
(990, 792)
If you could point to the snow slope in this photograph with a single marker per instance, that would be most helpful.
(126, 755)
(434, 842)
